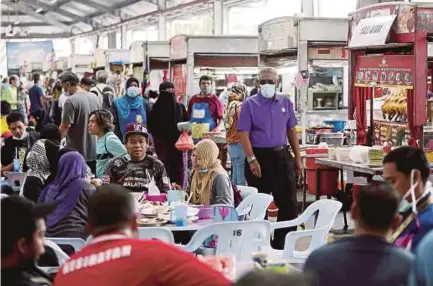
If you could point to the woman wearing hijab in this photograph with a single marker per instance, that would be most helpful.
(39, 160)
(71, 191)
(130, 108)
(162, 124)
(231, 116)
(209, 181)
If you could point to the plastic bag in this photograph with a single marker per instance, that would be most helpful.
(184, 143)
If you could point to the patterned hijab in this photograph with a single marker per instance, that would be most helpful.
(236, 97)
(37, 162)
(208, 167)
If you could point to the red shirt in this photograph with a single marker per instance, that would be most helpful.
(116, 260)
(215, 105)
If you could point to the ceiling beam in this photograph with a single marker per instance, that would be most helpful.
(101, 8)
(49, 20)
(6, 13)
(29, 24)
(37, 36)
(58, 10)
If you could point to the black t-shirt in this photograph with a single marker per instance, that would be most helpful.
(360, 261)
(24, 276)
(11, 145)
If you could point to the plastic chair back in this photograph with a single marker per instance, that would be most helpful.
(255, 206)
(247, 191)
(224, 213)
(239, 239)
(161, 233)
(62, 257)
(76, 243)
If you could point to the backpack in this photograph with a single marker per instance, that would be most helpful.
(107, 94)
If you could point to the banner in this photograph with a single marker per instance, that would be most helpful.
(389, 70)
(21, 53)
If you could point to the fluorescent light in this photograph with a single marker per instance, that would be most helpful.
(17, 22)
(38, 10)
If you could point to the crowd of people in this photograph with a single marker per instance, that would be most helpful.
(84, 148)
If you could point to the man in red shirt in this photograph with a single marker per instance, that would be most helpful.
(205, 109)
(116, 257)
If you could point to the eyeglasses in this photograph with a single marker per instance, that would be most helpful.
(267, 81)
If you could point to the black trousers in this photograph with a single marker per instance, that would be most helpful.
(278, 178)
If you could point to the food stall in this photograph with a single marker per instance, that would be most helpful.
(292, 44)
(79, 64)
(111, 60)
(389, 71)
(225, 58)
(151, 57)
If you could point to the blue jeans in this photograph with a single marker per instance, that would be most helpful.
(23, 112)
(237, 158)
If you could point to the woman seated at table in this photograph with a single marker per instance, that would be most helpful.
(209, 182)
(71, 190)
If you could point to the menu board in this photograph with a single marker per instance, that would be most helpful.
(278, 34)
(388, 70)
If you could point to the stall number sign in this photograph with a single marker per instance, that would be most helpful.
(372, 31)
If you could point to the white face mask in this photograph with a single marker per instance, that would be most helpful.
(405, 205)
(267, 90)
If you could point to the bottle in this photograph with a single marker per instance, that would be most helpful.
(273, 212)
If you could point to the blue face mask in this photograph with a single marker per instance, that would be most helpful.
(17, 83)
(133, 92)
(267, 90)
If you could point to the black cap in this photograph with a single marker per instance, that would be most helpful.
(69, 77)
(19, 217)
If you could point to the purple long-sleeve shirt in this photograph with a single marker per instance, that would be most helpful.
(267, 120)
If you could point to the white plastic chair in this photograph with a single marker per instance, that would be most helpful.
(247, 191)
(255, 206)
(161, 233)
(239, 239)
(16, 177)
(328, 210)
(62, 257)
(76, 243)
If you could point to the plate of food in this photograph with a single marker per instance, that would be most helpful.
(143, 221)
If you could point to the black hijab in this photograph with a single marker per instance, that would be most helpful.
(165, 115)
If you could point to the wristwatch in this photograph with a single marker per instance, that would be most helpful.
(251, 159)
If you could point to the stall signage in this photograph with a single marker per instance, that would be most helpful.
(425, 20)
(372, 31)
(332, 53)
(388, 70)
(179, 81)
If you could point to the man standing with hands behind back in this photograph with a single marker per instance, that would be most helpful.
(267, 121)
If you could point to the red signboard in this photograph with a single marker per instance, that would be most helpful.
(179, 80)
(425, 20)
(388, 70)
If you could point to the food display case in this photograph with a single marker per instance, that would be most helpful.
(292, 44)
(113, 60)
(150, 56)
(389, 70)
(226, 59)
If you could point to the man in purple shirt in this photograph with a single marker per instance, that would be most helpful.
(267, 121)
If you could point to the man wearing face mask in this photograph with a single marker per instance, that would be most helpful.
(75, 119)
(407, 169)
(266, 123)
(205, 110)
(130, 108)
(10, 92)
(16, 145)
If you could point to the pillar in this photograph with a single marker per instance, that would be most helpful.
(111, 40)
(226, 21)
(218, 21)
(123, 37)
(307, 8)
(72, 42)
(162, 26)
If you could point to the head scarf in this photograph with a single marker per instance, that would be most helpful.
(66, 187)
(209, 166)
(37, 162)
(125, 103)
(236, 97)
(165, 115)
(51, 132)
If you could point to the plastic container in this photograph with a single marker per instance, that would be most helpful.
(338, 125)
(17, 164)
(205, 212)
(332, 153)
(342, 154)
(156, 198)
(328, 178)
(181, 212)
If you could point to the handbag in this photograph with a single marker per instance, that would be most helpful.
(184, 143)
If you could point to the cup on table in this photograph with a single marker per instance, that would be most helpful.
(176, 196)
(17, 164)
